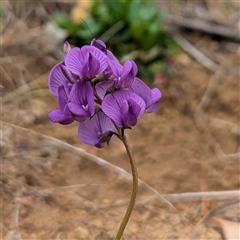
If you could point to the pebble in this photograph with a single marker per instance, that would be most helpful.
(81, 233)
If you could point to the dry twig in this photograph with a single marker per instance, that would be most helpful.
(195, 53)
(201, 124)
(230, 229)
(207, 27)
(34, 85)
(212, 85)
(197, 196)
(232, 127)
(17, 233)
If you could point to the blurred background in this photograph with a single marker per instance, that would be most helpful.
(189, 50)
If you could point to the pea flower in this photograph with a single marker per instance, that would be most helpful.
(60, 75)
(96, 130)
(62, 115)
(96, 90)
(123, 107)
(102, 47)
(81, 100)
(123, 77)
(86, 62)
(150, 96)
(125, 74)
(66, 48)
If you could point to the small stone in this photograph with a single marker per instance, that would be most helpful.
(111, 234)
(81, 233)
(183, 59)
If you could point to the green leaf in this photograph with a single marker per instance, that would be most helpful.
(62, 20)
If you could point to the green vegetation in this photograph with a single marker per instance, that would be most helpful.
(132, 29)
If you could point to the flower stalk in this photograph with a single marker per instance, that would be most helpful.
(134, 187)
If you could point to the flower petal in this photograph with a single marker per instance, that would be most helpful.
(105, 122)
(111, 56)
(58, 116)
(133, 113)
(90, 66)
(128, 74)
(58, 76)
(66, 48)
(62, 97)
(100, 45)
(78, 110)
(102, 87)
(98, 54)
(81, 99)
(128, 115)
(74, 60)
(116, 68)
(112, 109)
(154, 101)
(150, 96)
(141, 89)
(114, 106)
(92, 130)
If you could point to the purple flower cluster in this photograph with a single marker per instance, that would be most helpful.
(94, 89)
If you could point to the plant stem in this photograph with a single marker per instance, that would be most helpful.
(134, 189)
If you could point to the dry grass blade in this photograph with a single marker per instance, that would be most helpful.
(208, 27)
(228, 227)
(212, 85)
(214, 67)
(196, 196)
(34, 85)
(195, 53)
(17, 233)
(232, 127)
(45, 192)
(5, 75)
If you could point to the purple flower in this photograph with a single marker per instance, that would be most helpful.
(81, 100)
(94, 89)
(123, 107)
(125, 74)
(102, 87)
(86, 62)
(63, 114)
(102, 46)
(96, 130)
(111, 58)
(150, 96)
(90, 67)
(59, 76)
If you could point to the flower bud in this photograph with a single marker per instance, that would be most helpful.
(66, 47)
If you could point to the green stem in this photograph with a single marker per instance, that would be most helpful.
(134, 189)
